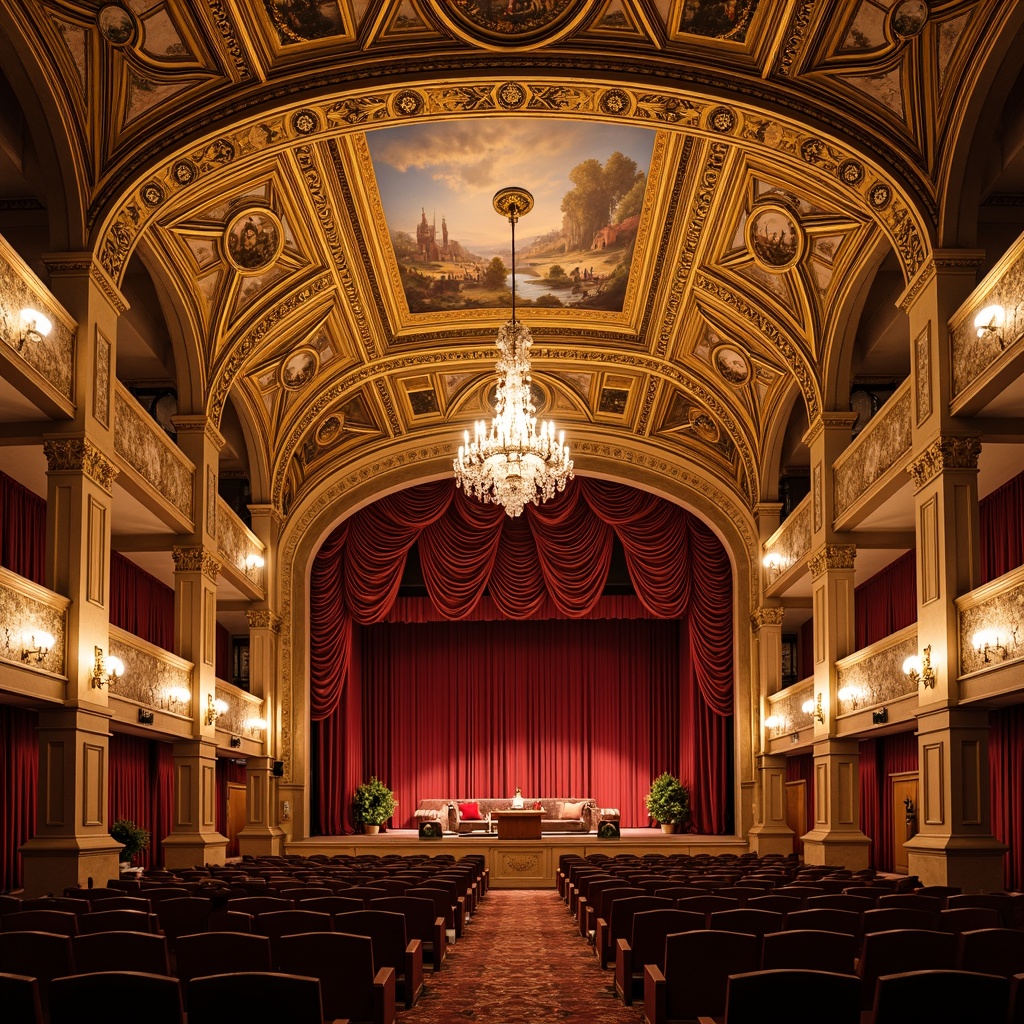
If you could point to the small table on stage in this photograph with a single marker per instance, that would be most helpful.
(518, 824)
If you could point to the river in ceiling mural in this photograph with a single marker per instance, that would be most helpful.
(437, 181)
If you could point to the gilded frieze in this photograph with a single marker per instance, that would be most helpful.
(998, 608)
(26, 606)
(152, 677)
(875, 675)
(875, 450)
(139, 440)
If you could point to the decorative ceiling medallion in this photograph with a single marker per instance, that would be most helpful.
(408, 103)
(508, 26)
(704, 426)
(722, 119)
(614, 101)
(511, 96)
(880, 195)
(298, 370)
(152, 194)
(732, 365)
(851, 172)
(909, 17)
(305, 122)
(774, 237)
(117, 25)
(184, 172)
(329, 430)
(253, 240)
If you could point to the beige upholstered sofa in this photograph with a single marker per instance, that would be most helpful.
(561, 814)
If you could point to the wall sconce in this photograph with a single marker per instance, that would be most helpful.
(34, 326)
(255, 723)
(36, 644)
(105, 668)
(989, 323)
(253, 561)
(919, 668)
(773, 722)
(179, 695)
(988, 640)
(214, 707)
(774, 564)
(851, 694)
(814, 709)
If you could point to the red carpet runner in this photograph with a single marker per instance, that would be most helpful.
(521, 960)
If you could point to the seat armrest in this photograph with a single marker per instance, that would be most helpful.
(624, 971)
(413, 972)
(440, 942)
(655, 995)
(600, 939)
(384, 1011)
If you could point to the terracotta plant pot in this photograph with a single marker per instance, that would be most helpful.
(371, 830)
(668, 827)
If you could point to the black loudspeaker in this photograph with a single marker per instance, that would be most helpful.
(430, 830)
(608, 830)
(277, 769)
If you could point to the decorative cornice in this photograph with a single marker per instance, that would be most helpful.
(71, 454)
(941, 259)
(263, 618)
(77, 264)
(272, 511)
(199, 425)
(944, 453)
(831, 556)
(767, 616)
(228, 33)
(197, 559)
(828, 421)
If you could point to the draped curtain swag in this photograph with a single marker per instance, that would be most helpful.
(552, 562)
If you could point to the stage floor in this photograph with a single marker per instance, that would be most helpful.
(519, 863)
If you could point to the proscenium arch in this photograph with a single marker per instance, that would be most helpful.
(313, 520)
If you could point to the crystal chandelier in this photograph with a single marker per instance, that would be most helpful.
(516, 461)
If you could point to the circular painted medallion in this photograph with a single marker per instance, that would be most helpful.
(253, 240)
(731, 365)
(909, 17)
(517, 24)
(299, 369)
(117, 25)
(774, 238)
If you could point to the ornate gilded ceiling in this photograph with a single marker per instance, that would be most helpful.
(230, 145)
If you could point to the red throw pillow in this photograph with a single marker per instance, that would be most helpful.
(470, 811)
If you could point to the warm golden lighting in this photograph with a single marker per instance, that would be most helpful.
(990, 321)
(36, 644)
(34, 326)
(105, 668)
(919, 667)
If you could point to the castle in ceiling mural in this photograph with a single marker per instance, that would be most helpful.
(436, 183)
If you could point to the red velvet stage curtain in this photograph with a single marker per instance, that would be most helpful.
(1002, 529)
(879, 759)
(870, 795)
(553, 559)
(1006, 770)
(886, 602)
(140, 604)
(19, 774)
(22, 531)
(141, 780)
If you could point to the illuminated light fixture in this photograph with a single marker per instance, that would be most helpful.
(179, 695)
(214, 708)
(255, 723)
(850, 694)
(36, 644)
(34, 326)
(987, 641)
(517, 461)
(253, 561)
(774, 722)
(773, 561)
(105, 668)
(989, 323)
(919, 667)
(813, 708)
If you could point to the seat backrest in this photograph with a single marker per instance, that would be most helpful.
(71, 996)
(42, 955)
(707, 904)
(165, 892)
(746, 920)
(940, 997)
(254, 995)
(120, 951)
(385, 928)
(183, 916)
(825, 920)
(809, 950)
(749, 994)
(911, 901)
(966, 919)
(651, 927)
(59, 922)
(365, 893)
(783, 904)
(697, 969)
(997, 901)
(221, 953)
(344, 965)
(257, 905)
(902, 950)
(19, 996)
(331, 904)
(603, 906)
(420, 915)
(992, 951)
(66, 903)
(884, 919)
(622, 912)
(117, 921)
(669, 891)
(840, 901)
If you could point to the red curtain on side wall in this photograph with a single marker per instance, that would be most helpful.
(19, 773)
(887, 602)
(550, 563)
(880, 758)
(799, 768)
(22, 531)
(1001, 529)
(1006, 769)
(140, 604)
(141, 781)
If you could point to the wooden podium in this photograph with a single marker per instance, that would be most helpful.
(518, 824)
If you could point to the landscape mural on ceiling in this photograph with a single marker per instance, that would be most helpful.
(437, 181)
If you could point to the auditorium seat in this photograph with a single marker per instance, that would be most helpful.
(120, 951)
(220, 953)
(902, 950)
(59, 922)
(883, 919)
(391, 948)
(811, 950)
(255, 996)
(19, 997)
(155, 997)
(646, 945)
(967, 919)
(991, 951)
(421, 922)
(825, 920)
(808, 997)
(746, 920)
(118, 921)
(619, 923)
(941, 997)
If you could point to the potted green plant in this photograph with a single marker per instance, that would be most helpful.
(134, 838)
(668, 802)
(373, 804)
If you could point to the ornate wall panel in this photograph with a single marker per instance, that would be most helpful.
(25, 605)
(151, 674)
(997, 606)
(791, 541)
(242, 708)
(875, 674)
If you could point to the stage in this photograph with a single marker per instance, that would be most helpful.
(519, 863)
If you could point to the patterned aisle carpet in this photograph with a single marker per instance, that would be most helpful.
(521, 960)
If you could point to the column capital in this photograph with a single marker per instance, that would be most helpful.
(85, 264)
(945, 452)
(942, 260)
(263, 618)
(196, 559)
(199, 424)
(78, 454)
(767, 616)
(831, 556)
(829, 421)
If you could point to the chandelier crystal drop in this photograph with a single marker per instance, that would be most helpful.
(516, 461)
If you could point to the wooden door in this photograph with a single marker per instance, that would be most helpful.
(796, 812)
(904, 818)
(236, 816)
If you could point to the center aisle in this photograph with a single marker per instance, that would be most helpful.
(521, 959)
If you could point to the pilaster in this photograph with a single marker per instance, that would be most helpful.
(261, 837)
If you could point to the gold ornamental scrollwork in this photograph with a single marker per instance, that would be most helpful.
(831, 556)
(196, 560)
(767, 617)
(76, 453)
(263, 618)
(944, 453)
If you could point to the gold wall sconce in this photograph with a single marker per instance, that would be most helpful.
(105, 668)
(253, 562)
(813, 707)
(36, 644)
(989, 323)
(919, 667)
(215, 707)
(991, 641)
(35, 326)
